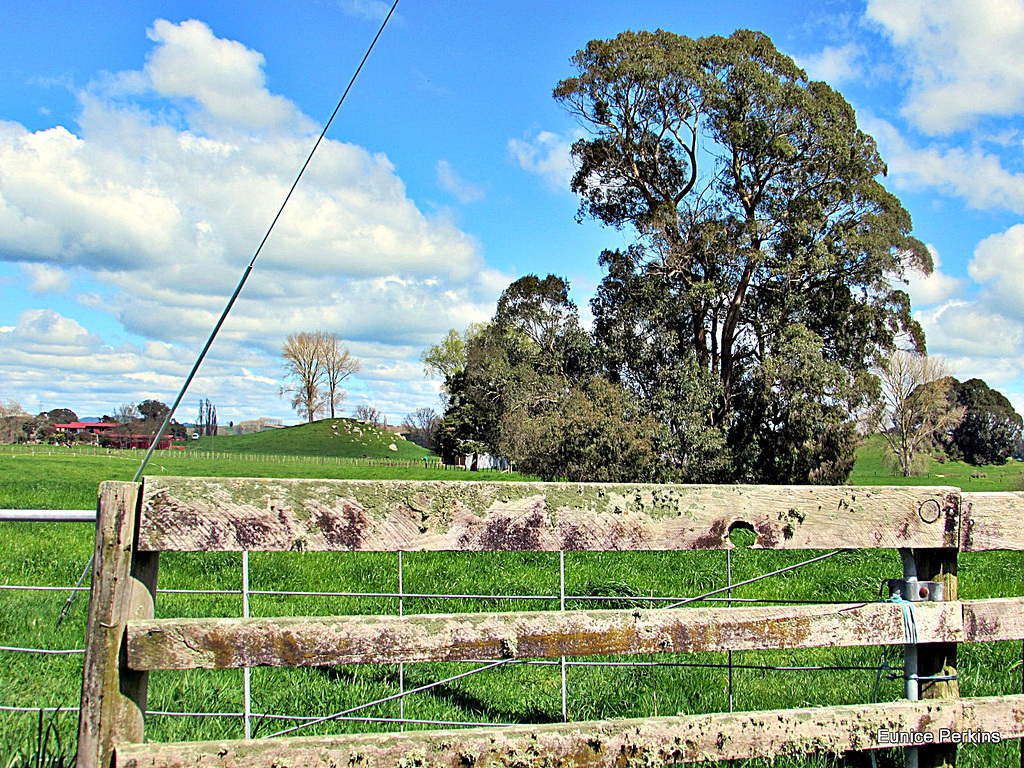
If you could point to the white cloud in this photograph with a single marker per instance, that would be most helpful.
(967, 328)
(44, 278)
(223, 76)
(999, 263)
(374, 10)
(983, 336)
(965, 58)
(977, 176)
(835, 64)
(450, 181)
(547, 154)
(159, 198)
(933, 288)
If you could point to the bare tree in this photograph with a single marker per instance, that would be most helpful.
(916, 405)
(338, 364)
(304, 369)
(421, 424)
(370, 415)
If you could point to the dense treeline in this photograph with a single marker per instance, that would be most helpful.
(734, 340)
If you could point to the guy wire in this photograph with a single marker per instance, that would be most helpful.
(238, 288)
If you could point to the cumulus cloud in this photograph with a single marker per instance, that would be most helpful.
(835, 64)
(965, 58)
(965, 327)
(934, 288)
(160, 195)
(44, 278)
(977, 176)
(547, 154)
(999, 264)
(450, 181)
(225, 78)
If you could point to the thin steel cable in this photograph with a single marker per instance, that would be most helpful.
(757, 578)
(238, 288)
(395, 696)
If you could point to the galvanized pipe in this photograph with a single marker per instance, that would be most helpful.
(49, 515)
(911, 690)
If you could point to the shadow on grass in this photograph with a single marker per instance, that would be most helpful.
(473, 706)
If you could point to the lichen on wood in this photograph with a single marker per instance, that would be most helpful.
(630, 743)
(396, 515)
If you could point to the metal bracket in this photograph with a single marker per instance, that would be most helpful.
(914, 591)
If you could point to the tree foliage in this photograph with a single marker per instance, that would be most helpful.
(153, 410)
(13, 419)
(759, 292)
(530, 389)
(338, 365)
(990, 430)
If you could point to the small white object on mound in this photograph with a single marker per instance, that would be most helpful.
(392, 447)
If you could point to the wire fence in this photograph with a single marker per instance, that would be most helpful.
(134, 455)
(248, 716)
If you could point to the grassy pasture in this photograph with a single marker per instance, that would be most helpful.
(53, 554)
(328, 437)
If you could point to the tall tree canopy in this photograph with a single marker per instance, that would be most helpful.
(530, 388)
(760, 290)
(991, 429)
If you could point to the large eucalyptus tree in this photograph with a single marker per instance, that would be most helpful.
(763, 284)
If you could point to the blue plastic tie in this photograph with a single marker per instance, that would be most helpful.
(909, 622)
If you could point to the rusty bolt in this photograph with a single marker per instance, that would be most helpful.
(923, 592)
(929, 511)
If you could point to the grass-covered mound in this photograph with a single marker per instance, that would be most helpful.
(330, 437)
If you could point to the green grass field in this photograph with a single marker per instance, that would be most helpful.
(53, 555)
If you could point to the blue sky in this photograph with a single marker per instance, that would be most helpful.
(145, 146)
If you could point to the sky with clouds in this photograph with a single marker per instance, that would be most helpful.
(145, 147)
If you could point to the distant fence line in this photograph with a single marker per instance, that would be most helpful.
(346, 461)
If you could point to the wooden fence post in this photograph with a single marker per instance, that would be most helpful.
(123, 585)
(938, 658)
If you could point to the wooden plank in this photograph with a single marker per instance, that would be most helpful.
(222, 643)
(604, 744)
(114, 697)
(992, 521)
(1000, 618)
(259, 514)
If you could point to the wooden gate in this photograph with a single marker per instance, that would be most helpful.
(139, 520)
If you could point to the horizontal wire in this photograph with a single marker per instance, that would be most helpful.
(5, 708)
(42, 650)
(440, 596)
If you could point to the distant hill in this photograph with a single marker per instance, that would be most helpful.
(330, 437)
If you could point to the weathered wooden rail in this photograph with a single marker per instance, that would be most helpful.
(137, 521)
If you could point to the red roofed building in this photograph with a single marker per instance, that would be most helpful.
(80, 427)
